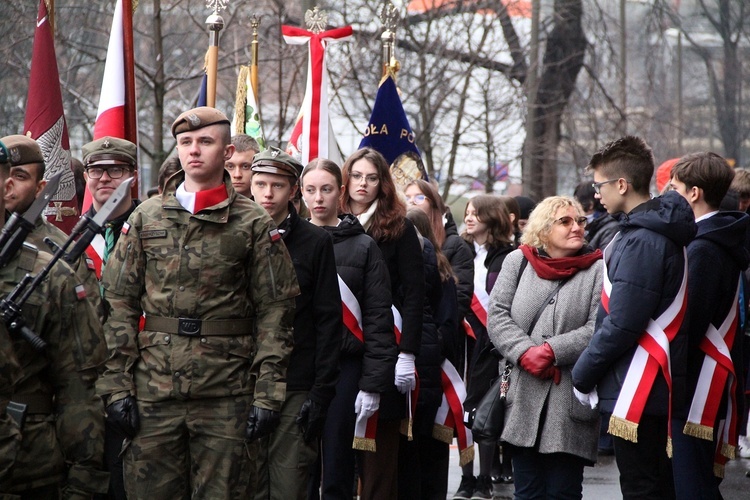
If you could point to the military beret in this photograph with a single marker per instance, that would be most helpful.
(22, 150)
(197, 118)
(4, 156)
(275, 161)
(108, 150)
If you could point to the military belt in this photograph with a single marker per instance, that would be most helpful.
(189, 327)
(34, 403)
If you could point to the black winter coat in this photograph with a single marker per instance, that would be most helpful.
(429, 359)
(645, 265)
(403, 257)
(485, 363)
(361, 266)
(716, 257)
(314, 363)
(461, 260)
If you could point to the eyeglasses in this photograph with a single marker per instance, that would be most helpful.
(417, 199)
(372, 179)
(112, 172)
(568, 221)
(598, 185)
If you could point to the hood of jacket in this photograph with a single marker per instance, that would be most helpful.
(450, 224)
(348, 227)
(728, 230)
(669, 215)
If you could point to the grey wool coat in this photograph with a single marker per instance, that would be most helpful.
(566, 324)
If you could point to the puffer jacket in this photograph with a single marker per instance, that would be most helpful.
(361, 266)
(462, 262)
(645, 265)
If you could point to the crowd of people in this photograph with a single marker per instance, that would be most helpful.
(259, 328)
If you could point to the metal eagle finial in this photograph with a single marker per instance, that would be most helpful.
(389, 16)
(216, 5)
(316, 20)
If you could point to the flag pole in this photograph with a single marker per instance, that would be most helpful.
(254, 22)
(215, 24)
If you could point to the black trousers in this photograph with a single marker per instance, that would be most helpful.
(645, 468)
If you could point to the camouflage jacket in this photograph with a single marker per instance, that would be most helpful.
(63, 443)
(10, 372)
(225, 262)
(84, 267)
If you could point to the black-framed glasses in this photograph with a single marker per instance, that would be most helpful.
(598, 185)
(371, 179)
(114, 172)
(417, 199)
(568, 221)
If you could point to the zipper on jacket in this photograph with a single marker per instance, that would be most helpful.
(270, 272)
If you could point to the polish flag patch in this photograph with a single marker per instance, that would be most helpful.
(80, 292)
(125, 228)
(90, 264)
(274, 234)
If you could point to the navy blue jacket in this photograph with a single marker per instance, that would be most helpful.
(645, 265)
(716, 257)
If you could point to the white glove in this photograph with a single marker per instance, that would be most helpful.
(591, 399)
(367, 404)
(406, 373)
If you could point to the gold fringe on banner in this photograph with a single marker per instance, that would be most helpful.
(669, 446)
(699, 431)
(442, 433)
(406, 428)
(240, 101)
(364, 444)
(719, 470)
(466, 455)
(622, 428)
(729, 451)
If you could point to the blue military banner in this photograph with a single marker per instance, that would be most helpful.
(390, 134)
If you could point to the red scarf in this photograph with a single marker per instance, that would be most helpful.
(548, 268)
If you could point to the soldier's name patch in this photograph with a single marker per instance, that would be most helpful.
(155, 233)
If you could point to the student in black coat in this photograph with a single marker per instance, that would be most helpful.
(367, 363)
(719, 245)
(370, 194)
(313, 370)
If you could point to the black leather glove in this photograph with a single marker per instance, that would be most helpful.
(310, 419)
(261, 422)
(122, 415)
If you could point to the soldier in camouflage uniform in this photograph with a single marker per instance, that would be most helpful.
(207, 374)
(24, 185)
(61, 447)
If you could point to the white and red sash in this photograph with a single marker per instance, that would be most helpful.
(95, 251)
(716, 378)
(449, 417)
(651, 356)
(352, 311)
(480, 304)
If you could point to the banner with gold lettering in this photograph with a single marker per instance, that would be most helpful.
(390, 134)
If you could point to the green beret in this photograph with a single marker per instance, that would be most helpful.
(275, 161)
(108, 150)
(197, 118)
(22, 150)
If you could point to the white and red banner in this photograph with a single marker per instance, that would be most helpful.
(45, 122)
(116, 116)
(315, 134)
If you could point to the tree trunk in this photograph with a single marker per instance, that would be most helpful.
(563, 60)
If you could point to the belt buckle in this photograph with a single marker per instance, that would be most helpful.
(189, 327)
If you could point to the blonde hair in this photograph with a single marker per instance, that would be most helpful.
(541, 219)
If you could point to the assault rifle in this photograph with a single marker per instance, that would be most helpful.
(82, 234)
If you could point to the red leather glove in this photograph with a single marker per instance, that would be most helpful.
(537, 359)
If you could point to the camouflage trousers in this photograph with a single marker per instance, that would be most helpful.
(285, 461)
(190, 449)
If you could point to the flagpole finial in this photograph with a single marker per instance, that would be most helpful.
(254, 24)
(390, 17)
(316, 20)
(216, 5)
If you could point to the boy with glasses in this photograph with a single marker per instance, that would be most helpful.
(638, 328)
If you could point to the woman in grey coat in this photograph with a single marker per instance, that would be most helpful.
(554, 434)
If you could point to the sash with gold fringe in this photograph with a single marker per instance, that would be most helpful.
(449, 417)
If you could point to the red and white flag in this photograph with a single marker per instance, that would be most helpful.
(45, 122)
(315, 135)
(116, 115)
